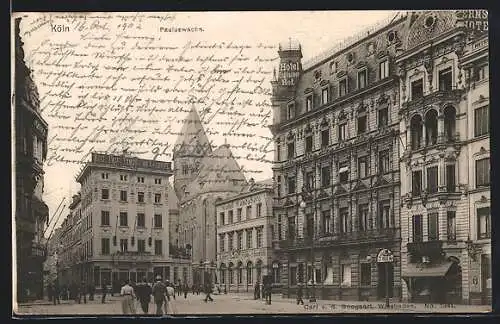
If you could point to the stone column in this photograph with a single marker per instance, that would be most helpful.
(424, 135)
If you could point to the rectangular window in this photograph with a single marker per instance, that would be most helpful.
(327, 222)
(291, 185)
(484, 222)
(141, 246)
(362, 167)
(342, 131)
(123, 245)
(291, 150)
(123, 195)
(483, 172)
(158, 181)
(416, 183)
(239, 212)
(140, 179)
(450, 178)
(259, 237)
(433, 226)
(383, 117)
(417, 89)
(344, 220)
(346, 275)
(105, 246)
(309, 180)
(291, 110)
(342, 87)
(482, 72)
(309, 103)
(366, 274)
(325, 176)
(445, 80)
(384, 214)
(249, 212)
(104, 193)
(325, 138)
(104, 218)
(221, 243)
(249, 239)
(432, 179)
(324, 96)
(451, 225)
(363, 217)
(140, 197)
(222, 218)
(230, 217)
(230, 241)
(344, 172)
(158, 247)
(291, 228)
(417, 228)
(123, 219)
(158, 221)
(481, 121)
(361, 124)
(123, 177)
(157, 198)
(384, 69)
(141, 220)
(362, 79)
(104, 175)
(239, 237)
(259, 210)
(309, 144)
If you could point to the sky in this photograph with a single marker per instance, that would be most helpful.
(317, 31)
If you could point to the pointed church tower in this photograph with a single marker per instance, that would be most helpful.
(191, 147)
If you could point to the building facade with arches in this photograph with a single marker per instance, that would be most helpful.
(244, 233)
(444, 123)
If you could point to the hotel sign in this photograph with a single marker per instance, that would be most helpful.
(129, 162)
(289, 73)
(474, 20)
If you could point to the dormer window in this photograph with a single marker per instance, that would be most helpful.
(291, 110)
(343, 87)
(324, 96)
(362, 79)
(384, 69)
(309, 102)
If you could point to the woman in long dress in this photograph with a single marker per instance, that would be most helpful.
(128, 294)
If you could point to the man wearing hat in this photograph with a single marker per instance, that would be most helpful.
(159, 291)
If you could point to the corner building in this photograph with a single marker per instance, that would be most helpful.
(124, 222)
(445, 165)
(336, 169)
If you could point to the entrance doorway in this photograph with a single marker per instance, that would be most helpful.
(382, 283)
(486, 290)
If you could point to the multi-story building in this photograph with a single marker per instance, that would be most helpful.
(202, 177)
(244, 230)
(120, 221)
(51, 264)
(445, 168)
(336, 167)
(31, 214)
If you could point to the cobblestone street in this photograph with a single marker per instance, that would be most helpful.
(243, 304)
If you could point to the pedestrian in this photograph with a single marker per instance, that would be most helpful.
(170, 292)
(91, 292)
(159, 291)
(186, 289)
(208, 291)
(104, 292)
(128, 294)
(256, 292)
(299, 295)
(268, 291)
(50, 292)
(143, 292)
(225, 289)
(83, 292)
(56, 293)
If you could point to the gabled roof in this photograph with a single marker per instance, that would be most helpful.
(219, 172)
(192, 139)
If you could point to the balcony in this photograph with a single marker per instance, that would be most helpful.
(436, 97)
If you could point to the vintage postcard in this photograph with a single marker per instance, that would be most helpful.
(180, 163)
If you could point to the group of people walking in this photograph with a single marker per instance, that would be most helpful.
(73, 291)
(266, 291)
(162, 292)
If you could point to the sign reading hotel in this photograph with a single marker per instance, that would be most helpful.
(129, 162)
(474, 20)
(289, 73)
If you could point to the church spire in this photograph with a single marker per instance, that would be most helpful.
(192, 140)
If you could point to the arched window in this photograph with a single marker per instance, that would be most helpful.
(276, 272)
(431, 127)
(450, 115)
(249, 272)
(230, 273)
(258, 268)
(240, 272)
(416, 132)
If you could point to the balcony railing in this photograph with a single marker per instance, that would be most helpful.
(434, 97)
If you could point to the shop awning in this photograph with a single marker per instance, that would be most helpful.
(431, 270)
